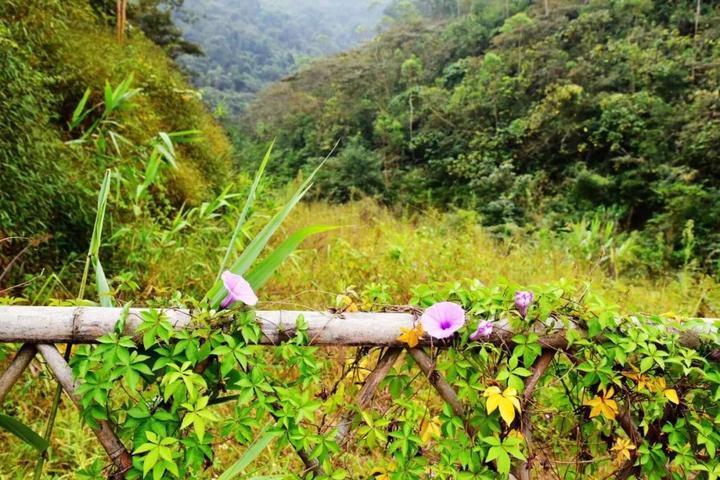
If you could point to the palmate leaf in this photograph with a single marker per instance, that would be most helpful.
(23, 432)
(506, 401)
(250, 455)
(260, 274)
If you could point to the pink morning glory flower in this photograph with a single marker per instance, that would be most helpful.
(523, 299)
(443, 319)
(239, 290)
(484, 329)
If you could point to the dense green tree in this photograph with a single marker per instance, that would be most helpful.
(526, 116)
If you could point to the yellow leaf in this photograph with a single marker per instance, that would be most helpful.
(506, 401)
(671, 395)
(641, 381)
(658, 384)
(515, 433)
(382, 473)
(603, 405)
(507, 411)
(411, 336)
(622, 449)
(430, 430)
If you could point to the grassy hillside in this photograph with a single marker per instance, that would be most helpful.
(52, 52)
(527, 118)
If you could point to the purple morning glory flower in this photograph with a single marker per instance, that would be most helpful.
(484, 329)
(523, 299)
(443, 319)
(238, 290)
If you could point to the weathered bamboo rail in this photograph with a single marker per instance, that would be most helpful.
(40, 327)
(87, 324)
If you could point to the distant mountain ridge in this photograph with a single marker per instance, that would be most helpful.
(248, 44)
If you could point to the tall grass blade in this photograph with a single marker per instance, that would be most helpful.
(102, 286)
(79, 113)
(103, 291)
(257, 244)
(251, 454)
(93, 255)
(246, 209)
(261, 273)
(23, 432)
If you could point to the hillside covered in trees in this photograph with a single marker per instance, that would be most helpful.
(51, 156)
(530, 114)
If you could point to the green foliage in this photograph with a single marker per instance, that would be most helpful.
(23, 432)
(252, 453)
(618, 376)
(528, 119)
(52, 52)
(155, 19)
(355, 171)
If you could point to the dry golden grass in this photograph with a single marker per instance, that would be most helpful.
(374, 245)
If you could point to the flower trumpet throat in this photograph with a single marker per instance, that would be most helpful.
(443, 319)
(239, 290)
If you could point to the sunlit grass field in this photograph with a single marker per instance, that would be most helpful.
(377, 257)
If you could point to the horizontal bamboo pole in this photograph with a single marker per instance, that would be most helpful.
(87, 324)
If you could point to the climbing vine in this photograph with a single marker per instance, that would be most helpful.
(609, 396)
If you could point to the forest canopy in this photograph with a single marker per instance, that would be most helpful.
(531, 114)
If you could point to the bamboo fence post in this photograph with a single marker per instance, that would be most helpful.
(541, 364)
(445, 390)
(107, 437)
(22, 359)
(384, 364)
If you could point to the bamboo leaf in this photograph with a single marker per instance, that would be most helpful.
(79, 113)
(257, 244)
(246, 208)
(23, 432)
(250, 454)
(259, 275)
(103, 288)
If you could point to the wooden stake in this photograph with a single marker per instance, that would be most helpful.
(384, 364)
(441, 385)
(18, 365)
(120, 19)
(110, 442)
(541, 364)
